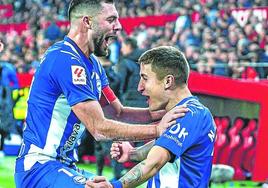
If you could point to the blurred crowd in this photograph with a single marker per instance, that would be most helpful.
(213, 41)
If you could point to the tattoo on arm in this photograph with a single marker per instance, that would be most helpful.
(146, 169)
(141, 153)
(134, 175)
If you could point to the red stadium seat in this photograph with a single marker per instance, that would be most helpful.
(225, 123)
(236, 161)
(249, 154)
(242, 159)
(217, 121)
(236, 128)
(250, 128)
(220, 143)
(227, 153)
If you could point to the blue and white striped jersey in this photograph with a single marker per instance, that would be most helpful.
(191, 142)
(52, 131)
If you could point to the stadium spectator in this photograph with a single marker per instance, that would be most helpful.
(8, 82)
(53, 32)
(64, 102)
(264, 58)
(129, 71)
(188, 145)
(8, 71)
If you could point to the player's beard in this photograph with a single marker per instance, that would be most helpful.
(100, 48)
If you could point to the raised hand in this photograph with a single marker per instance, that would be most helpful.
(170, 118)
(120, 151)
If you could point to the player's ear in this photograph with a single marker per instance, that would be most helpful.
(169, 81)
(87, 22)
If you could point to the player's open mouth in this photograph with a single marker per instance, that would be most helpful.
(147, 99)
(109, 39)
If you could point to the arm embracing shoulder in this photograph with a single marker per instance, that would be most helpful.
(128, 114)
(91, 114)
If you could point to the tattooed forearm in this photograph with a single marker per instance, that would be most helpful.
(134, 176)
(141, 153)
(156, 158)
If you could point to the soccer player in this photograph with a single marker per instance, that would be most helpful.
(182, 155)
(64, 101)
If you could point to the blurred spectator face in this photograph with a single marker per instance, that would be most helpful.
(254, 47)
(233, 38)
(266, 49)
(189, 51)
(222, 43)
(125, 49)
(207, 45)
(208, 35)
(224, 57)
(203, 67)
(168, 33)
(232, 56)
(248, 29)
(196, 31)
(29, 56)
(6, 55)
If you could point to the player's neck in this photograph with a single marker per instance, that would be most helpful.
(81, 40)
(177, 96)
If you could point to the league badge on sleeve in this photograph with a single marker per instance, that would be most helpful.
(79, 75)
(80, 180)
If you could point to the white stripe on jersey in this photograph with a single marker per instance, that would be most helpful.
(169, 175)
(30, 158)
(73, 55)
(72, 47)
(57, 126)
(153, 183)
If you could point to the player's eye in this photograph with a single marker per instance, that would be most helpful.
(111, 19)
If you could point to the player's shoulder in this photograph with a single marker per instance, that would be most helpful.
(62, 52)
(194, 105)
(196, 111)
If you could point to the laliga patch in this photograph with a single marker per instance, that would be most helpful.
(79, 180)
(79, 75)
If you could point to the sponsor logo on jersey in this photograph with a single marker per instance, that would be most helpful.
(72, 138)
(177, 134)
(180, 132)
(79, 75)
(80, 179)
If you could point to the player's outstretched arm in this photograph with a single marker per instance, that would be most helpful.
(91, 115)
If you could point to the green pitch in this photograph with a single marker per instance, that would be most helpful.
(7, 177)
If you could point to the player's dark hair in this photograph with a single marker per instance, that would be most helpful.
(75, 5)
(167, 60)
